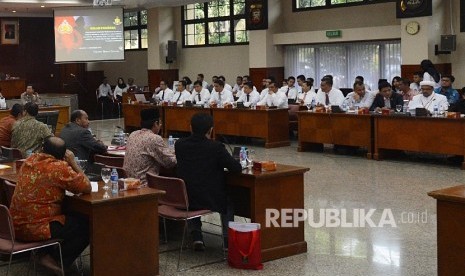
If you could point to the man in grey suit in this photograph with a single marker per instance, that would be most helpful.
(78, 138)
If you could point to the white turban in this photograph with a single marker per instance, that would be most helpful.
(429, 83)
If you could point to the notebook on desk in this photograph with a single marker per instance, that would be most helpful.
(141, 98)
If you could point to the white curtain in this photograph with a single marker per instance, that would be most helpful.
(345, 61)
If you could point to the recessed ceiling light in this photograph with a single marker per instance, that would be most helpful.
(13, 11)
(42, 6)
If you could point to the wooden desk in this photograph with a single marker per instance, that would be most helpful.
(271, 125)
(339, 129)
(131, 113)
(450, 229)
(63, 115)
(254, 192)
(12, 88)
(419, 134)
(123, 230)
(179, 118)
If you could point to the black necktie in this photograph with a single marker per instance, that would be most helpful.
(287, 92)
(178, 97)
(327, 99)
(247, 97)
(199, 96)
(163, 95)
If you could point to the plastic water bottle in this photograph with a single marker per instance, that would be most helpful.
(313, 104)
(405, 108)
(171, 142)
(344, 106)
(435, 110)
(243, 158)
(114, 181)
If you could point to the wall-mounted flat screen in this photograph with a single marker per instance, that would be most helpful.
(89, 34)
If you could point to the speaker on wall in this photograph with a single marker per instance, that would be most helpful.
(448, 42)
(172, 52)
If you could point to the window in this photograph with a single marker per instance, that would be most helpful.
(135, 30)
(345, 61)
(299, 5)
(218, 22)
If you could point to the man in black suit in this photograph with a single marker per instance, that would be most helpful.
(386, 98)
(78, 138)
(201, 164)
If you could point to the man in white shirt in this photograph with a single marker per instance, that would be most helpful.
(226, 86)
(201, 77)
(200, 95)
(105, 96)
(360, 96)
(132, 87)
(164, 93)
(301, 79)
(210, 86)
(415, 85)
(429, 99)
(238, 86)
(250, 96)
(290, 90)
(327, 95)
(362, 80)
(220, 96)
(264, 92)
(275, 97)
(405, 90)
(308, 94)
(181, 95)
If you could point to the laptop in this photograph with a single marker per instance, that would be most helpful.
(141, 98)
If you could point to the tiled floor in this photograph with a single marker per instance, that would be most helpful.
(351, 183)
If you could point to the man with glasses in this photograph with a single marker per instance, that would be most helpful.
(446, 89)
(274, 98)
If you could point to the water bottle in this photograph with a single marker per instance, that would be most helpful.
(405, 108)
(435, 110)
(344, 106)
(114, 181)
(313, 104)
(171, 142)
(28, 152)
(243, 157)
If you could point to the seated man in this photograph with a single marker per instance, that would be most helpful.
(28, 133)
(105, 98)
(328, 95)
(250, 97)
(36, 204)
(275, 97)
(362, 80)
(360, 96)
(30, 96)
(201, 164)
(386, 98)
(428, 99)
(181, 95)
(447, 90)
(415, 85)
(78, 137)
(220, 96)
(290, 90)
(163, 93)
(200, 95)
(308, 94)
(146, 151)
(6, 124)
(237, 86)
(405, 90)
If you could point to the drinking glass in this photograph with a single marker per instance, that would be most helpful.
(106, 173)
(250, 158)
(398, 108)
(309, 105)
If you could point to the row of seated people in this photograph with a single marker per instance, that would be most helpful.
(36, 204)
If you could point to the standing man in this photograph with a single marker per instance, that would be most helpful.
(36, 206)
(6, 124)
(200, 95)
(205, 181)
(327, 95)
(78, 138)
(105, 96)
(275, 97)
(28, 133)
(146, 151)
(30, 96)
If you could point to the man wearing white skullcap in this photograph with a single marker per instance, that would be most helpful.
(428, 99)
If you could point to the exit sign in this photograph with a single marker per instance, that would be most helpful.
(335, 33)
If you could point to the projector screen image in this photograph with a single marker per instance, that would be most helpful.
(88, 34)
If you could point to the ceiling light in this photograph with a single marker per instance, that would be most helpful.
(42, 6)
(13, 11)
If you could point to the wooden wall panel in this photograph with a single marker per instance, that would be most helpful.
(168, 75)
(258, 74)
(407, 70)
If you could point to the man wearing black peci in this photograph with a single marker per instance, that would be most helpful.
(201, 164)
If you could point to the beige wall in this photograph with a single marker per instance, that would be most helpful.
(458, 57)
(134, 66)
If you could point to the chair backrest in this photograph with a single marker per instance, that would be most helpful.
(7, 231)
(11, 153)
(293, 108)
(112, 161)
(19, 163)
(9, 191)
(121, 172)
(175, 188)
